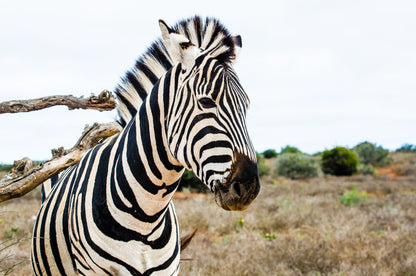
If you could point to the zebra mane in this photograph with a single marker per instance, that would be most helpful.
(155, 62)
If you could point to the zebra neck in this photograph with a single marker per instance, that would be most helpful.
(145, 174)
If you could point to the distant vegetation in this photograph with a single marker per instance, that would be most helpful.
(290, 149)
(339, 161)
(366, 169)
(5, 167)
(361, 159)
(296, 166)
(263, 169)
(270, 153)
(370, 154)
(191, 182)
(407, 148)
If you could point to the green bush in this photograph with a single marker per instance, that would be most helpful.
(366, 169)
(191, 182)
(296, 166)
(270, 153)
(352, 197)
(290, 149)
(369, 153)
(339, 161)
(406, 148)
(5, 167)
(263, 169)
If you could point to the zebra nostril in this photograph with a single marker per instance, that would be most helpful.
(236, 189)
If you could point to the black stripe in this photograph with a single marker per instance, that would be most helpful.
(157, 130)
(156, 51)
(131, 77)
(217, 159)
(135, 163)
(34, 255)
(145, 134)
(215, 144)
(148, 73)
(42, 238)
(53, 241)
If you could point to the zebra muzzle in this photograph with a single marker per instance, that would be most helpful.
(241, 187)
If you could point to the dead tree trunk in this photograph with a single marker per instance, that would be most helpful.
(102, 102)
(16, 184)
(22, 180)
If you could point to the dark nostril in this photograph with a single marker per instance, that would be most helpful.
(236, 189)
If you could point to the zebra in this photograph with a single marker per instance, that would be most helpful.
(181, 107)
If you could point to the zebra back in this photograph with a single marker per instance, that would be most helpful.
(155, 62)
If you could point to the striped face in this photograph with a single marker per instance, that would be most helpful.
(208, 134)
(206, 122)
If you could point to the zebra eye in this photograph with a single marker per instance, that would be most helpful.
(207, 103)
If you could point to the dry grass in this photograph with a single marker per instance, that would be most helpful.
(310, 231)
(15, 245)
(404, 164)
(315, 233)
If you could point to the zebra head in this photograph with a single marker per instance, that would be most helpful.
(206, 121)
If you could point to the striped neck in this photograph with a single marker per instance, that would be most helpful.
(147, 173)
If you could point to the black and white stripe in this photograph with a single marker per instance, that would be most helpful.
(181, 106)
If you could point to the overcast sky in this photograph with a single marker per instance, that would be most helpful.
(319, 73)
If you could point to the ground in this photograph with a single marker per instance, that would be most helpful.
(294, 227)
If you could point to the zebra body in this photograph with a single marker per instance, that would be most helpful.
(112, 213)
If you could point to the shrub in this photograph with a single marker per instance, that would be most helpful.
(263, 169)
(290, 149)
(296, 166)
(407, 148)
(191, 182)
(270, 153)
(366, 169)
(5, 167)
(352, 197)
(339, 161)
(369, 153)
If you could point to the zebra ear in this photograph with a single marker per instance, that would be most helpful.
(165, 29)
(180, 49)
(238, 44)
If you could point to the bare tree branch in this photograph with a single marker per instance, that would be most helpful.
(15, 185)
(102, 102)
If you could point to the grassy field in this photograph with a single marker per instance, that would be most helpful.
(360, 225)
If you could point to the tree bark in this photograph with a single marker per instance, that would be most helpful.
(104, 101)
(15, 184)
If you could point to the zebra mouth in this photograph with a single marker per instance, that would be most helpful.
(241, 186)
(236, 196)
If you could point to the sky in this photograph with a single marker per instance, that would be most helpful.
(319, 74)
